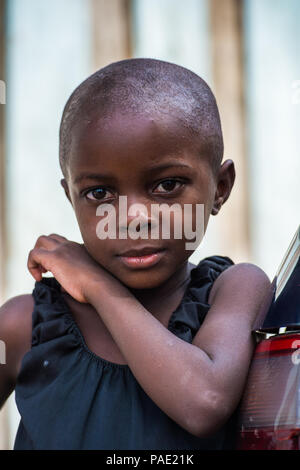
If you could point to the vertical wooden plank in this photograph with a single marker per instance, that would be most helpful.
(111, 31)
(228, 75)
(4, 428)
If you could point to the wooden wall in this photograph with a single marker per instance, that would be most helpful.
(111, 31)
(226, 19)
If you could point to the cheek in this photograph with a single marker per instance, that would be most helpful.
(101, 249)
(87, 222)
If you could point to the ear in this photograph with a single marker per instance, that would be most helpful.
(225, 182)
(64, 184)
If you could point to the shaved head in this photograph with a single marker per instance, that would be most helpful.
(146, 87)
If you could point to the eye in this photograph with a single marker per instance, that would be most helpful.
(169, 185)
(96, 194)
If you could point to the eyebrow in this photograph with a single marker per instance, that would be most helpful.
(98, 176)
(92, 176)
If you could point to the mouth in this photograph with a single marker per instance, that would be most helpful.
(142, 258)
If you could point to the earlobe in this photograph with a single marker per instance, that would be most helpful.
(217, 206)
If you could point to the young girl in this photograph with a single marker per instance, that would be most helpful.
(129, 345)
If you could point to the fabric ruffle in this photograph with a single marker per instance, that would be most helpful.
(49, 323)
(189, 315)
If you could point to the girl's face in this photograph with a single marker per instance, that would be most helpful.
(152, 161)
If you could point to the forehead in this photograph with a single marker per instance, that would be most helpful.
(130, 139)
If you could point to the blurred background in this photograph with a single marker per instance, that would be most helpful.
(248, 52)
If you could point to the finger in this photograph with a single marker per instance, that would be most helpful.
(46, 242)
(57, 237)
(37, 263)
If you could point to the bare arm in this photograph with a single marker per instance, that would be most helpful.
(198, 385)
(15, 332)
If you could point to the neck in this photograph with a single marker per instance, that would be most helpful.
(163, 300)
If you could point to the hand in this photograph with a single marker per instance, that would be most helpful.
(69, 262)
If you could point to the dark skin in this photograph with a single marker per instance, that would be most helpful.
(132, 150)
(123, 312)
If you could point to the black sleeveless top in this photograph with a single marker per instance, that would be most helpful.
(70, 398)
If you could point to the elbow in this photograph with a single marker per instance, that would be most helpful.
(209, 416)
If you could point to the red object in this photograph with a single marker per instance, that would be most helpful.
(270, 409)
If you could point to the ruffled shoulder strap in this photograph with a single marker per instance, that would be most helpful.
(189, 315)
(51, 315)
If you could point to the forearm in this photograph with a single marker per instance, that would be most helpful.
(173, 373)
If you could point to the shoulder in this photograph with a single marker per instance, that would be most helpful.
(16, 330)
(15, 313)
(240, 277)
(243, 284)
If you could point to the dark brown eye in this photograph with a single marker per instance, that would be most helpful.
(97, 194)
(168, 185)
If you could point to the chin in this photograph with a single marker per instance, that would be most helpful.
(143, 279)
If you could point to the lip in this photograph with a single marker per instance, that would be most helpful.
(146, 250)
(143, 258)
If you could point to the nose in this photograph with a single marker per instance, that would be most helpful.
(135, 215)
